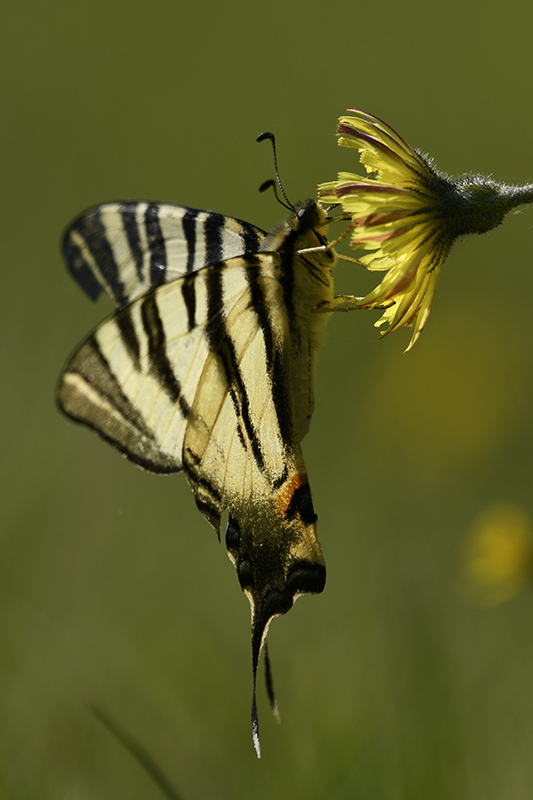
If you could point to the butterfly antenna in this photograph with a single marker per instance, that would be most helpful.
(261, 138)
(270, 183)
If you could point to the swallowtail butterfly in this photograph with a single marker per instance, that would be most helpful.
(207, 366)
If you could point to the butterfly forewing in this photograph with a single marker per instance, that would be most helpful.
(128, 248)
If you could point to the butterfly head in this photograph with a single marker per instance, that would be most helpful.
(310, 215)
(305, 227)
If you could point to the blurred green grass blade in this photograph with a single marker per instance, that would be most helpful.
(137, 751)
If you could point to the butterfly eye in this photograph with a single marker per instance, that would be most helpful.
(308, 217)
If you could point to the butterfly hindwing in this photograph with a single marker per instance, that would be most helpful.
(212, 373)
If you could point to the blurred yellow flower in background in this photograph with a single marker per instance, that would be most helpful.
(409, 215)
(499, 554)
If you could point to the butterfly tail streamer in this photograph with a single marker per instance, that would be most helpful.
(258, 634)
(269, 680)
(255, 724)
(270, 692)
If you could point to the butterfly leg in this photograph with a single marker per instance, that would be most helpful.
(343, 302)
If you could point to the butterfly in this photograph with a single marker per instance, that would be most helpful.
(207, 366)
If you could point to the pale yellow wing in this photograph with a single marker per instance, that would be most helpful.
(197, 375)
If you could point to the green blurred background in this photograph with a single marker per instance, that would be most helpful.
(392, 685)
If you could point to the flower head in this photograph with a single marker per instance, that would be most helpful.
(499, 554)
(409, 215)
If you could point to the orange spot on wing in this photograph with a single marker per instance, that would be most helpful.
(286, 492)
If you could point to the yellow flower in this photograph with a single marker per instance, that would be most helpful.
(499, 555)
(409, 215)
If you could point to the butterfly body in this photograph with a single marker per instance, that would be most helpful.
(208, 367)
(307, 283)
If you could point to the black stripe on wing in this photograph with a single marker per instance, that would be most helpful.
(131, 228)
(156, 245)
(129, 337)
(157, 353)
(276, 363)
(89, 392)
(188, 224)
(287, 271)
(90, 258)
(78, 267)
(251, 236)
(221, 343)
(218, 228)
(213, 228)
(188, 292)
